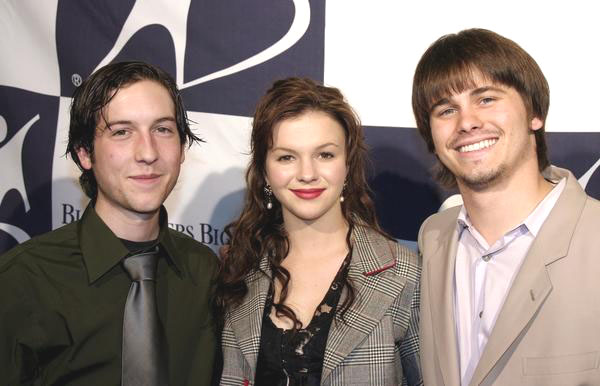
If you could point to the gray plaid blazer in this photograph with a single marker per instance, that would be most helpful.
(376, 344)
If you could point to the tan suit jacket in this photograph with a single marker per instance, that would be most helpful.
(548, 330)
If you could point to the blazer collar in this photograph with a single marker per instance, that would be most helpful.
(532, 284)
(373, 260)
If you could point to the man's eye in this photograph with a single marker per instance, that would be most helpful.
(163, 129)
(445, 112)
(118, 132)
(487, 100)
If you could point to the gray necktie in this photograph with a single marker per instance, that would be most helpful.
(144, 361)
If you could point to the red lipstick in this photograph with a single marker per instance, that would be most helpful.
(308, 194)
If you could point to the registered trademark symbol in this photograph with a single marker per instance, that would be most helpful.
(76, 79)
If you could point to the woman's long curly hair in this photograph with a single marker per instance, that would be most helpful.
(259, 232)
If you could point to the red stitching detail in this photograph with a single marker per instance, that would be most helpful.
(381, 269)
(246, 382)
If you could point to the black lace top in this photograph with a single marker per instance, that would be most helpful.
(296, 359)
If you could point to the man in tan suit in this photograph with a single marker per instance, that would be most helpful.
(510, 288)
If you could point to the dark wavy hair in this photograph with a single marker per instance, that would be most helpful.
(448, 67)
(259, 232)
(90, 98)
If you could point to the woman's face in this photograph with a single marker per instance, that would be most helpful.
(306, 167)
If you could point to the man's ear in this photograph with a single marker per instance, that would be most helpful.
(536, 124)
(85, 159)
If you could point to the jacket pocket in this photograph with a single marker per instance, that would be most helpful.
(560, 364)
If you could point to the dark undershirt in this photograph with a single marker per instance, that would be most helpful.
(138, 246)
(296, 358)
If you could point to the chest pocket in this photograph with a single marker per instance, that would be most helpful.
(539, 366)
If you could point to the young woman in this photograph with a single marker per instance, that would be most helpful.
(313, 291)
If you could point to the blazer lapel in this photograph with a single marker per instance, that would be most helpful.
(532, 284)
(441, 288)
(372, 256)
(246, 319)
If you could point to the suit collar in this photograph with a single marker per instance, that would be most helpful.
(440, 269)
(532, 284)
(560, 225)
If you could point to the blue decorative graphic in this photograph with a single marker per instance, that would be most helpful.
(27, 135)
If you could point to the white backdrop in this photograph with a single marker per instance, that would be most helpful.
(367, 49)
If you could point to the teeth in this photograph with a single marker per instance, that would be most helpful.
(477, 146)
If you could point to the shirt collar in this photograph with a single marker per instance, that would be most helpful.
(463, 220)
(536, 219)
(102, 249)
(533, 222)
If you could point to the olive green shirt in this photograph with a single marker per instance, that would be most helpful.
(62, 298)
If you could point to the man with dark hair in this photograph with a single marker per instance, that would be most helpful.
(116, 297)
(509, 286)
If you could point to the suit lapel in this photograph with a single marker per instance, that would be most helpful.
(526, 295)
(246, 319)
(441, 281)
(372, 256)
(532, 284)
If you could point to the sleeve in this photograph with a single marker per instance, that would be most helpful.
(18, 359)
(30, 335)
(409, 346)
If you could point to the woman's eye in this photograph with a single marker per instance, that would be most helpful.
(326, 155)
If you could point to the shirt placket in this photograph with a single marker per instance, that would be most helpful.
(484, 317)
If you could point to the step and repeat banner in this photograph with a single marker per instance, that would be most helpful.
(224, 55)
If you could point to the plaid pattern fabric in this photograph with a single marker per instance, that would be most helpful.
(377, 341)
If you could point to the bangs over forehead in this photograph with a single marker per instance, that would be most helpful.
(455, 81)
(454, 62)
(452, 66)
(459, 62)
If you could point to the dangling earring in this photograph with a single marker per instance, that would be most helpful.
(342, 195)
(268, 194)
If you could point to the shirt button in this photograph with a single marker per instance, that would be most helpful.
(480, 314)
(486, 258)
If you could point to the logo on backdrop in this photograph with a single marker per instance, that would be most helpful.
(10, 156)
(175, 37)
(206, 233)
(27, 135)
